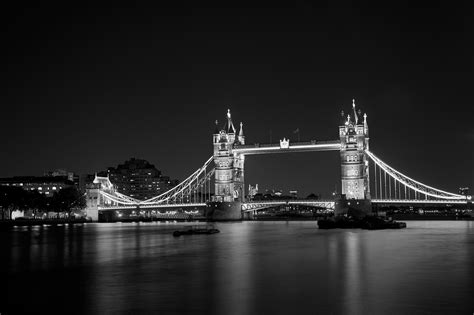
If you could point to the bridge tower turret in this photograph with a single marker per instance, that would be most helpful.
(354, 136)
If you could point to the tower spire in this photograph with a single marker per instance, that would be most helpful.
(354, 109)
(241, 137)
(229, 127)
(366, 125)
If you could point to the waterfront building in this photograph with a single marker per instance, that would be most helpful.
(46, 185)
(139, 179)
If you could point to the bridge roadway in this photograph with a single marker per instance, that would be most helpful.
(313, 145)
(156, 206)
(329, 204)
(257, 205)
(419, 201)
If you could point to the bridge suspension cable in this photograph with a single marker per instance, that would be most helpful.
(179, 192)
(412, 188)
(194, 189)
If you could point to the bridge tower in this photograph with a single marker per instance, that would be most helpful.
(354, 136)
(229, 189)
(94, 199)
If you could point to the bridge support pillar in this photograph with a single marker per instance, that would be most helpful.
(92, 202)
(249, 215)
(224, 211)
(93, 213)
(357, 208)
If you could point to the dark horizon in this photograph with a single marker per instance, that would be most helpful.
(89, 88)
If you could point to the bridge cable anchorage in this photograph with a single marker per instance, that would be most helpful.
(185, 192)
(417, 187)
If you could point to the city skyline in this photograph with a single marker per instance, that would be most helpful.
(175, 158)
(135, 83)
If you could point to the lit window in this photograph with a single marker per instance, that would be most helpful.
(54, 187)
(40, 188)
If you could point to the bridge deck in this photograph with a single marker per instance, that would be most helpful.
(154, 206)
(256, 205)
(252, 205)
(333, 145)
(417, 201)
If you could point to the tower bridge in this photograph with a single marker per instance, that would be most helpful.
(217, 189)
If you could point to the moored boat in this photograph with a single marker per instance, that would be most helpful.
(196, 230)
(368, 223)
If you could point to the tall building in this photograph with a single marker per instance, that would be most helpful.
(139, 179)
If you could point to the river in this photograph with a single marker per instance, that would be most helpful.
(248, 268)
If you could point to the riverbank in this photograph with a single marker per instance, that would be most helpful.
(34, 222)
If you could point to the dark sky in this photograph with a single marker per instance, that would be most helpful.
(87, 88)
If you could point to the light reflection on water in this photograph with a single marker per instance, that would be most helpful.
(249, 268)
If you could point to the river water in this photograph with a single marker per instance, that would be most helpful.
(249, 268)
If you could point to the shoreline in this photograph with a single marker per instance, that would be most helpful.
(32, 222)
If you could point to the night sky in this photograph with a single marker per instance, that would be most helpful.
(85, 89)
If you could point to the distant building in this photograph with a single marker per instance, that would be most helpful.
(85, 180)
(139, 179)
(253, 190)
(46, 185)
(64, 173)
(294, 194)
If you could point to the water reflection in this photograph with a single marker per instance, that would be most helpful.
(249, 268)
